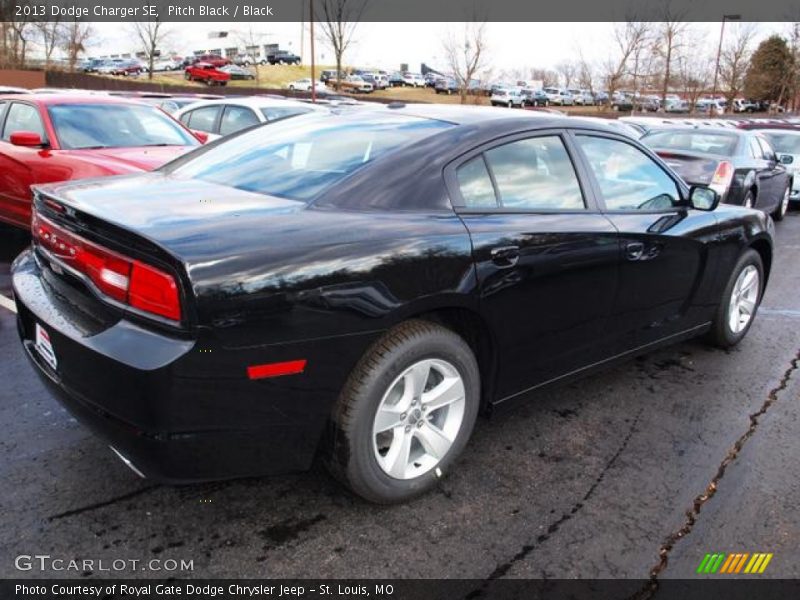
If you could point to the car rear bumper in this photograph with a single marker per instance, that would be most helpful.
(176, 413)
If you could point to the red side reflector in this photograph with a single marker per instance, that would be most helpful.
(292, 367)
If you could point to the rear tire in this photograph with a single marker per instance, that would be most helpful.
(738, 306)
(394, 386)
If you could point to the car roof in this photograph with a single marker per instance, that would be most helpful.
(457, 114)
(254, 102)
(48, 99)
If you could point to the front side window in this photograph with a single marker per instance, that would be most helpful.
(22, 117)
(785, 143)
(628, 178)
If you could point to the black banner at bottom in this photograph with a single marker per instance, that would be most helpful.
(404, 589)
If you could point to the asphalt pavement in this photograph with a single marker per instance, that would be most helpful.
(642, 469)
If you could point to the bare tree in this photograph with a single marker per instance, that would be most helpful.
(73, 41)
(50, 34)
(734, 61)
(695, 72)
(567, 69)
(548, 77)
(252, 39)
(150, 35)
(586, 73)
(629, 37)
(466, 55)
(339, 21)
(669, 42)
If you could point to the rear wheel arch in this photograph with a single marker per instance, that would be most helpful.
(473, 329)
(764, 250)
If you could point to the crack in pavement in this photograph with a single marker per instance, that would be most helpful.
(694, 512)
(501, 570)
(90, 507)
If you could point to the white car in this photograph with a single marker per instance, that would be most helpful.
(304, 85)
(244, 60)
(509, 97)
(166, 65)
(218, 118)
(413, 80)
(786, 143)
(559, 97)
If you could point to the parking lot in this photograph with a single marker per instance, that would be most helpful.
(593, 480)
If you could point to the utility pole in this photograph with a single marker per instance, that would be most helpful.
(313, 65)
(302, 30)
(719, 51)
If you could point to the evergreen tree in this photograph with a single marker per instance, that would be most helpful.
(769, 74)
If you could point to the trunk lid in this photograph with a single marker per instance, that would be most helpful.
(695, 168)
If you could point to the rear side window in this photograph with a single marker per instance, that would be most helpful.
(476, 184)
(22, 117)
(530, 174)
(237, 118)
(202, 119)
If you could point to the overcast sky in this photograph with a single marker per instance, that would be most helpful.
(387, 45)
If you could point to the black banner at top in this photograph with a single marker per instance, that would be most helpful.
(400, 10)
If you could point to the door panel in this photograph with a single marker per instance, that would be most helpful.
(664, 275)
(664, 245)
(548, 308)
(546, 260)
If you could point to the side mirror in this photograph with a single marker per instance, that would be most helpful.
(200, 135)
(703, 198)
(28, 139)
(786, 159)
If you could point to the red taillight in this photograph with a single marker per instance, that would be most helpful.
(154, 291)
(124, 279)
(723, 174)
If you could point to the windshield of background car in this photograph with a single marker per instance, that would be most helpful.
(84, 126)
(784, 143)
(301, 157)
(706, 142)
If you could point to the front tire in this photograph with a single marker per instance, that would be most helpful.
(783, 206)
(405, 413)
(739, 302)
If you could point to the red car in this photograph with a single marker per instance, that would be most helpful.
(206, 73)
(49, 138)
(215, 60)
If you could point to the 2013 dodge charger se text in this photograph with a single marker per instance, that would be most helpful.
(261, 301)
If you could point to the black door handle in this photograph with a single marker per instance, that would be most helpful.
(634, 251)
(505, 256)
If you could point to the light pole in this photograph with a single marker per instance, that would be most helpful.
(719, 50)
(313, 64)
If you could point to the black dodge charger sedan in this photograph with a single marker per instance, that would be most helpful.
(261, 301)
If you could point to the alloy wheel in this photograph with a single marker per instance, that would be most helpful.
(418, 419)
(744, 298)
(784, 202)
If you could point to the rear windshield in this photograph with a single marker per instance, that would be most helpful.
(784, 143)
(706, 142)
(301, 157)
